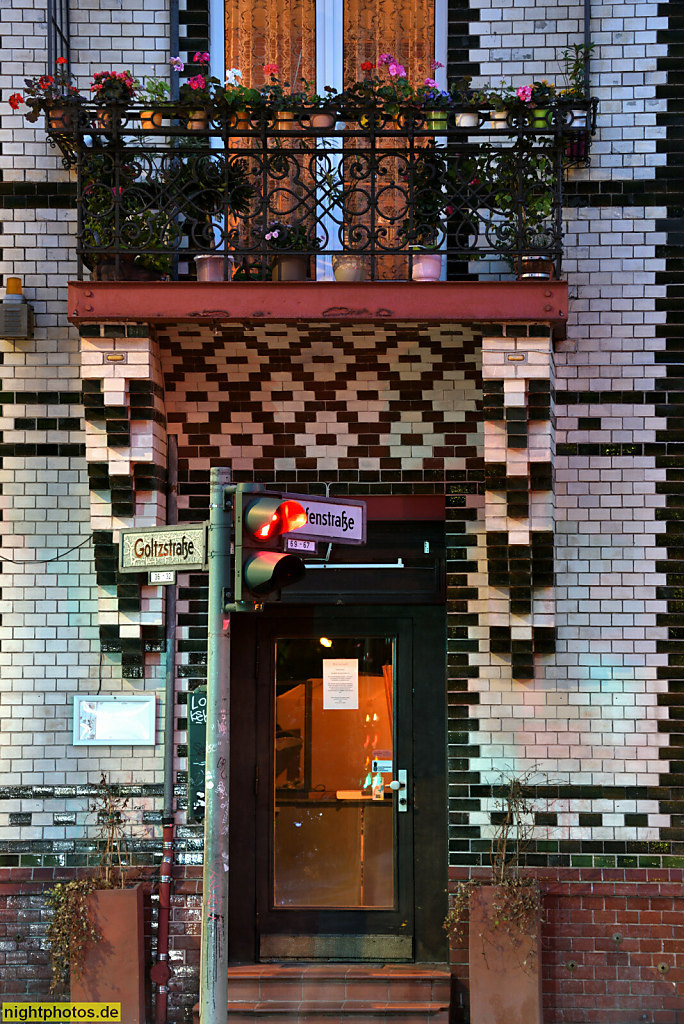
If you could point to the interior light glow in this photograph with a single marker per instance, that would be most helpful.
(324, 642)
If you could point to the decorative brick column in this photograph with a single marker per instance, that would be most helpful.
(517, 384)
(126, 455)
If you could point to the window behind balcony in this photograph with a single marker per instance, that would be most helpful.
(283, 32)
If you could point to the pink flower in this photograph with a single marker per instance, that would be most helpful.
(201, 58)
(397, 69)
(271, 69)
(385, 58)
(434, 64)
(177, 64)
(198, 82)
(431, 82)
(524, 93)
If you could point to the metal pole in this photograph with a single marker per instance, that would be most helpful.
(214, 939)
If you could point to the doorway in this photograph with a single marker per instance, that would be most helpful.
(338, 797)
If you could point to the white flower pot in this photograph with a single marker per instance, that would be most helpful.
(468, 119)
(212, 267)
(427, 266)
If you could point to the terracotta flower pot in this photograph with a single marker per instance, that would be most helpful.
(291, 267)
(498, 120)
(321, 119)
(427, 266)
(151, 119)
(62, 119)
(196, 120)
(539, 268)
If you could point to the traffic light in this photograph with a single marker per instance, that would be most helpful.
(262, 568)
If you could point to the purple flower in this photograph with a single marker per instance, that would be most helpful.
(397, 69)
(431, 82)
(385, 58)
(434, 64)
(177, 64)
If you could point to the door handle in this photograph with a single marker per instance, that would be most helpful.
(398, 786)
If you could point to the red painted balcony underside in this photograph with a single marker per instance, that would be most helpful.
(376, 301)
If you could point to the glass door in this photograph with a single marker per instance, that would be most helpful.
(334, 811)
(336, 814)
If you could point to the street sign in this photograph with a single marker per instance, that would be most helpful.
(181, 548)
(337, 520)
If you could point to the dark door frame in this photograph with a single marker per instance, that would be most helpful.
(428, 770)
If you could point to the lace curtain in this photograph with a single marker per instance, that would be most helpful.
(404, 28)
(281, 32)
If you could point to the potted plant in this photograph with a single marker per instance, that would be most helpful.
(319, 109)
(119, 214)
(152, 95)
(435, 102)
(520, 195)
(114, 90)
(424, 229)
(467, 101)
(54, 95)
(197, 94)
(376, 101)
(538, 102)
(95, 933)
(503, 916)
(574, 93)
(500, 102)
(293, 241)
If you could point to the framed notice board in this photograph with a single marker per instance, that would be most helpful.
(197, 751)
(117, 720)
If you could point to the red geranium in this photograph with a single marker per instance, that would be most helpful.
(15, 99)
(367, 65)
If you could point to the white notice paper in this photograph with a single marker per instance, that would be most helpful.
(340, 683)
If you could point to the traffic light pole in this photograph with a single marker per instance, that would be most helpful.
(214, 938)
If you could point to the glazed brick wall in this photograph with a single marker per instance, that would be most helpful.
(624, 931)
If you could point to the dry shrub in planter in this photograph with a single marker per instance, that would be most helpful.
(71, 930)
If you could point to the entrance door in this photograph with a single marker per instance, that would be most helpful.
(349, 856)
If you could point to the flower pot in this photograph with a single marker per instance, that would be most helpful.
(214, 267)
(576, 147)
(196, 120)
(151, 119)
(467, 119)
(498, 120)
(114, 968)
(436, 120)
(348, 267)
(104, 120)
(322, 120)
(62, 119)
(504, 963)
(427, 266)
(541, 120)
(128, 270)
(576, 120)
(539, 268)
(291, 267)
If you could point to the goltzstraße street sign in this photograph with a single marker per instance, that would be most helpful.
(181, 548)
(337, 520)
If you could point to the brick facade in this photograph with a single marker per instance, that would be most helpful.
(562, 476)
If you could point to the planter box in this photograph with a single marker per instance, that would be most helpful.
(114, 967)
(505, 972)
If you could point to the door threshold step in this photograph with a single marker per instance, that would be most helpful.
(350, 1007)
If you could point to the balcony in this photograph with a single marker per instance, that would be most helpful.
(356, 190)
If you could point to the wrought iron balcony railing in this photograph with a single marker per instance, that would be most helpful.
(253, 188)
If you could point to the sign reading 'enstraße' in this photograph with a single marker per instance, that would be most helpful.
(340, 521)
(163, 547)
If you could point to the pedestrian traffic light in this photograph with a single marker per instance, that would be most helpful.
(262, 568)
